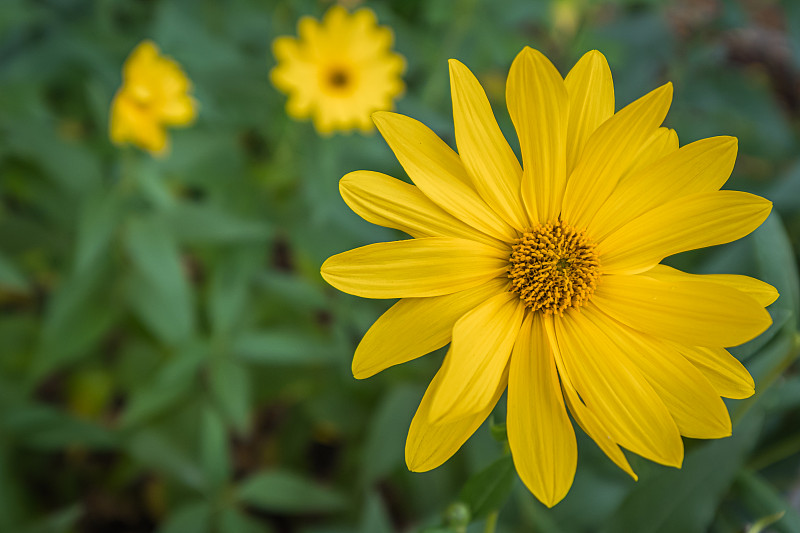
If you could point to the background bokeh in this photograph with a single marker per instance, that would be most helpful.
(171, 360)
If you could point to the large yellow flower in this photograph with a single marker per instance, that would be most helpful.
(340, 71)
(546, 279)
(154, 95)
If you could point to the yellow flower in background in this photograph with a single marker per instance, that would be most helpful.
(545, 278)
(154, 95)
(338, 71)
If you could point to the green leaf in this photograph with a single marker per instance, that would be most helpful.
(231, 388)
(234, 521)
(159, 291)
(62, 521)
(45, 427)
(686, 499)
(11, 490)
(771, 361)
(10, 276)
(98, 221)
(487, 490)
(785, 394)
(293, 289)
(228, 291)
(192, 517)
(281, 347)
(386, 437)
(77, 316)
(284, 492)
(145, 171)
(214, 451)
(761, 498)
(777, 265)
(172, 382)
(374, 517)
(71, 164)
(205, 224)
(152, 449)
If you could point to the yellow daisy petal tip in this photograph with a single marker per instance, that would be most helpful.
(596, 60)
(596, 55)
(773, 295)
(360, 373)
(665, 91)
(414, 464)
(380, 116)
(338, 71)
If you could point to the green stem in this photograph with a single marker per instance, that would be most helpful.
(491, 522)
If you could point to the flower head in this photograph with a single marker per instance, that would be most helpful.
(338, 71)
(154, 95)
(545, 278)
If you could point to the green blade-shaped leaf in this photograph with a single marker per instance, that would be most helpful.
(488, 490)
(284, 492)
(686, 499)
(159, 292)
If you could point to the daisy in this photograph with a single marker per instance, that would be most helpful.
(338, 71)
(154, 95)
(545, 278)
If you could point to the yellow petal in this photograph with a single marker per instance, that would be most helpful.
(414, 268)
(392, 203)
(609, 152)
(727, 375)
(488, 158)
(179, 111)
(140, 61)
(538, 105)
(694, 313)
(429, 445)
(591, 102)
(616, 391)
(585, 418)
(690, 398)
(763, 293)
(540, 434)
(661, 143)
(701, 166)
(687, 223)
(414, 327)
(478, 357)
(438, 172)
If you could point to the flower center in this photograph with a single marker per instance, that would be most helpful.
(553, 268)
(338, 78)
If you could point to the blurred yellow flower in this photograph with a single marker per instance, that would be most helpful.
(545, 277)
(339, 71)
(154, 95)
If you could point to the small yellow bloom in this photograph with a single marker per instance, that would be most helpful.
(339, 71)
(545, 277)
(154, 94)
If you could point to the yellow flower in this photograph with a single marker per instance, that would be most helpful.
(154, 94)
(338, 72)
(545, 278)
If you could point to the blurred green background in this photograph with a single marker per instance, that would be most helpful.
(171, 360)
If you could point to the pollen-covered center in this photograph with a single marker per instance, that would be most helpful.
(553, 268)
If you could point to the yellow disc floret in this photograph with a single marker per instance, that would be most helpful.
(553, 268)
